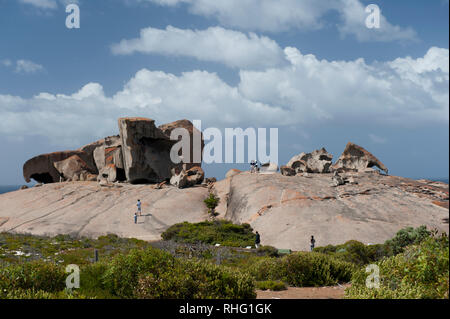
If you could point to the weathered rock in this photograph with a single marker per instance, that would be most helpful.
(23, 187)
(337, 180)
(195, 176)
(269, 168)
(318, 161)
(357, 158)
(145, 150)
(179, 178)
(286, 211)
(232, 172)
(108, 173)
(210, 180)
(88, 209)
(187, 178)
(72, 166)
(287, 171)
(108, 152)
(196, 141)
(42, 170)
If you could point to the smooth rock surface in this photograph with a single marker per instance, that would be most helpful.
(288, 210)
(88, 209)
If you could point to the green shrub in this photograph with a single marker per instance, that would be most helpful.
(421, 271)
(302, 269)
(360, 254)
(196, 280)
(211, 203)
(405, 237)
(274, 285)
(35, 275)
(121, 277)
(41, 294)
(267, 251)
(222, 232)
(153, 273)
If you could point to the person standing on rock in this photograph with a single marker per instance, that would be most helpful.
(139, 207)
(257, 240)
(135, 217)
(313, 243)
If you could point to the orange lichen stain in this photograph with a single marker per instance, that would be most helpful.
(441, 204)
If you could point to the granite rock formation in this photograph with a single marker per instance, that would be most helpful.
(140, 154)
(356, 158)
(318, 161)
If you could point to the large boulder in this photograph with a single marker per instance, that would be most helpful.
(356, 158)
(71, 167)
(196, 137)
(41, 168)
(187, 177)
(108, 152)
(318, 161)
(145, 150)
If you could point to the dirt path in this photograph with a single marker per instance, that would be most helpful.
(336, 292)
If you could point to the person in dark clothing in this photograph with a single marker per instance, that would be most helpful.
(135, 217)
(257, 240)
(313, 242)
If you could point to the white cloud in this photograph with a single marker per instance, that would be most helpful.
(26, 66)
(283, 15)
(41, 4)
(354, 16)
(215, 44)
(48, 4)
(307, 92)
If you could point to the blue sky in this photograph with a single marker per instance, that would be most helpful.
(310, 68)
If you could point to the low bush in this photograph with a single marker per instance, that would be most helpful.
(360, 254)
(214, 232)
(274, 285)
(152, 273)
(421, 271)
(196, 280)
(35, 275)
(302, 269)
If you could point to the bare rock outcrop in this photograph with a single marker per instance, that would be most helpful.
(318, 161)
(145, 151)
(196, 137)
(356, 158)
(41, 168)
(71, 167)
(187, 177)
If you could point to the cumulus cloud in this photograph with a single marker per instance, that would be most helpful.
(27, 66)
(283, 15)
(215, 44)
(306, 92)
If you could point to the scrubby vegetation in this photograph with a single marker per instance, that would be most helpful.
(356, 252)
(188, 264)
(420, 271)
(212, 232)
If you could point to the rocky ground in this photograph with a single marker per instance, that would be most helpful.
(286, 210)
